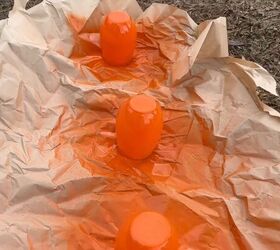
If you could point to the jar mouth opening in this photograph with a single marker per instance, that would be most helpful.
(143, 104)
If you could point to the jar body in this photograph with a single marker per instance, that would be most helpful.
(118, 36)
(138, 133)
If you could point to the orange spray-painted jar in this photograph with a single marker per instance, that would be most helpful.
(139, 126)
(118, 38)
(147, 231)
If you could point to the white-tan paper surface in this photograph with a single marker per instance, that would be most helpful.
(63, 184)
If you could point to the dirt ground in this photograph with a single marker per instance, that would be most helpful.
(253, 28)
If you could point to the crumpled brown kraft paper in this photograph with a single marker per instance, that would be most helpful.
(63, 184)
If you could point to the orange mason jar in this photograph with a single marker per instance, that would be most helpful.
(118, 38)
(139, 126)
(147, 231)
